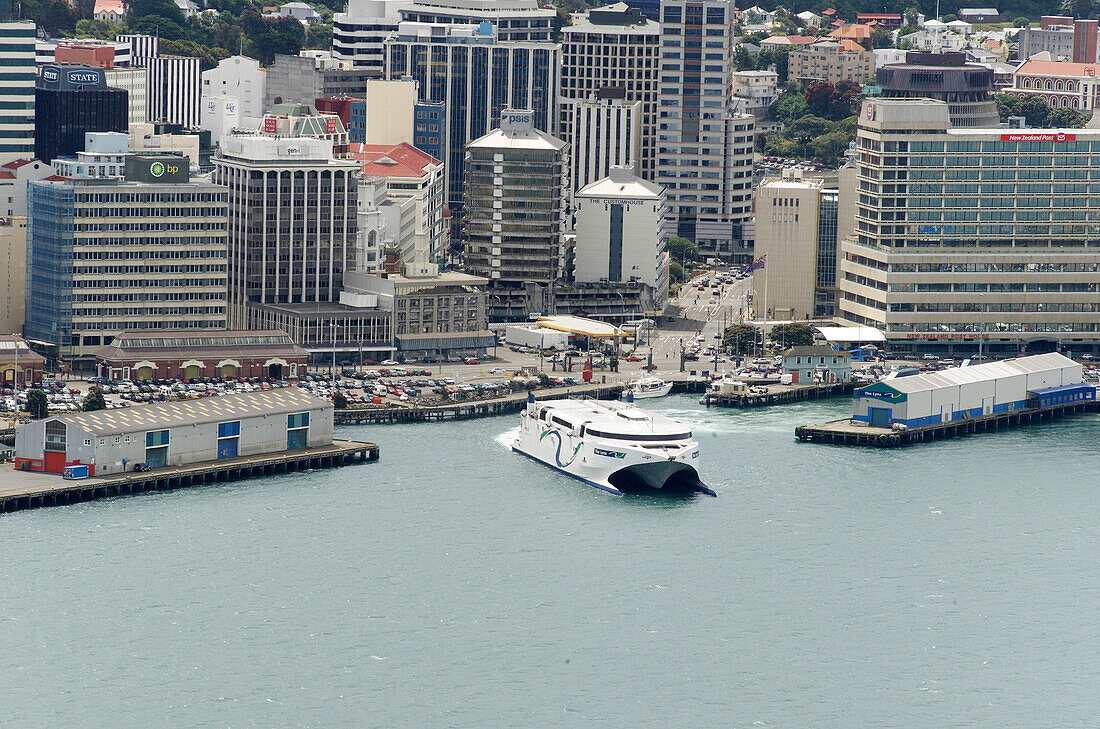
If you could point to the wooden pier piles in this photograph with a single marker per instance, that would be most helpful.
(37, 490)
(844, 432)
(787, 394)
(466, 410)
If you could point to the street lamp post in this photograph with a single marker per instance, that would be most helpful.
(15, 384)
(981, 325)
(332, 373)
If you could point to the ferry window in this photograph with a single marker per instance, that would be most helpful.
(640, 438)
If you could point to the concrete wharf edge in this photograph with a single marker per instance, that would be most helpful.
(467, 410)
(55, 492)
(842, 432)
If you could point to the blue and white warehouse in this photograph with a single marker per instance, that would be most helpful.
(1041, 380)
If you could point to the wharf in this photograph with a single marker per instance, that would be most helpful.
(844, 432)
(30, 490)
(779, 395)
(467, 410)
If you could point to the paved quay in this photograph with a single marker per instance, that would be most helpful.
(29, 490)
(473, 409)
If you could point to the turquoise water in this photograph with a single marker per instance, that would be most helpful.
(454, 584)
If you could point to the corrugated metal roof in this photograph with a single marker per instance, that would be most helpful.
(978, 373)
(216, 409)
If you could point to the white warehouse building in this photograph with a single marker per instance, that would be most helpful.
(176, 433)
(958, 393)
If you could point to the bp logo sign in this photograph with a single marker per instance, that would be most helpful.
(156, 169)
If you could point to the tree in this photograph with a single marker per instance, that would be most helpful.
(675, 272)
(819, 97)
(1078, 8)
(267, 37)
(740, 337)
(681, 249)
(339, 401)
(319, 36)
(37, 404)
(911, 13)
(792, 335)
(789, 107)
(828, 148)
(807, 128)
(847, 96)
(881, 39)
(53, 16)
(1066, 119)
(951, 17)
(94, 401)
(88, 28)
(1021, 23)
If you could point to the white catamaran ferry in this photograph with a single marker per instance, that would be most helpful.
(610, 445)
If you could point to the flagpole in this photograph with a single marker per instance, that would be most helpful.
(764, 263)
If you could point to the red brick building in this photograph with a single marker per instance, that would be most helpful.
(14, 351)
(186, 355)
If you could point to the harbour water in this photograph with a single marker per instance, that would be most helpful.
(454, 584)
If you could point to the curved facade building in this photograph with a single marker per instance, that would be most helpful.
(966, 87)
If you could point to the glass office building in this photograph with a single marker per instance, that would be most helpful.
(476, 76)
(106, 256)
(966, 233)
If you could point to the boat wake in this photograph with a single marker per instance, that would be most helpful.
(508, 437)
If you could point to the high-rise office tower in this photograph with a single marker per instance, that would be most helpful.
(704, 145)
(142, 47)
(291, 225)
(515, 203)
(612, 47)
(515, 20)
(359, 33)
(69, 101)
(17, 91)
(608, 133)
(175, 86)
(477, 76)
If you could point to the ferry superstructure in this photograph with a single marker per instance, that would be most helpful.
(613, 446)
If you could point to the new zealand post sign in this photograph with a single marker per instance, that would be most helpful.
(1057, 137)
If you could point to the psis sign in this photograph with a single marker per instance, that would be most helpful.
(517, 120)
